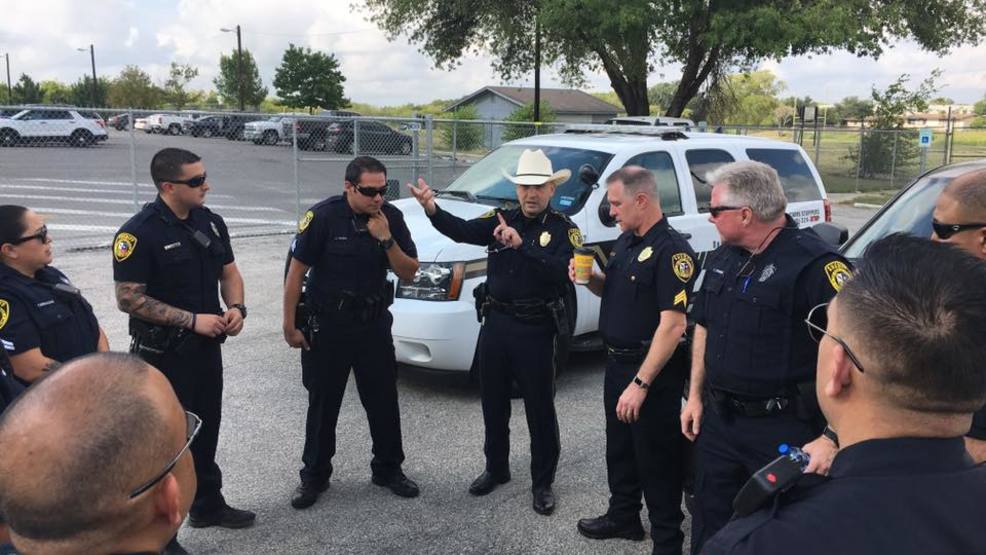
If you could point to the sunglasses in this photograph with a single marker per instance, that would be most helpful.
(193, 424)
(944, 231)
(194, 182)
(716, 210)
(818, 321)
(41, 235)
(371, 192)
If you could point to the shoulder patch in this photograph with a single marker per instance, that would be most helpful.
(575, 237)
(4, 312)
(123, 246)
(489, 214)
(838, 274)
(683, 265)
(305, 221)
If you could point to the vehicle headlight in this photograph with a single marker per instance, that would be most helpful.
(436, 281)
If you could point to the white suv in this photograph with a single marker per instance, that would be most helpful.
(50, 124)
(435, 323)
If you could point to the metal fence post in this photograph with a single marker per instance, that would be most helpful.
(355, 136)
(818, 144)
(297, 181)
(430, 140)
(859, 158)
(454, 138)
(415, 150)
(133, 158)
(893, 159)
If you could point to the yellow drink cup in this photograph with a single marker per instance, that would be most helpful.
(583, 265)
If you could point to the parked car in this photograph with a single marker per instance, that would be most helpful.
(50, 124)
(94, 116)
(374, 137)
(269, 131)
(120, 122)
(140, 124)
(166, 123)
(652, 121)
(435, 324)
(312, 131)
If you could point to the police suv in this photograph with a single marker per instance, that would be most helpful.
(435, 325)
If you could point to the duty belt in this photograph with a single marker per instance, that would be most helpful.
(729, 403)
(524, 309)
(628, 355)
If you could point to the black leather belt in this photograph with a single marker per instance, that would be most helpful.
(750, 406)
(522, 310)
(628, 354)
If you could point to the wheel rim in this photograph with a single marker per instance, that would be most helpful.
(207, 133)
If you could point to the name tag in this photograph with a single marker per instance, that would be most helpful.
(46, 303)
(170, 246)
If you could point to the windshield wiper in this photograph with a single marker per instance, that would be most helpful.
(464, 194)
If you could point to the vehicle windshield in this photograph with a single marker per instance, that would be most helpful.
(485, 181)
(909, 213)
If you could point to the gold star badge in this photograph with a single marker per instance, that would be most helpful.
(544, 239)
(645, 254)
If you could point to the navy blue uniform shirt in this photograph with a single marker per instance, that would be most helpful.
(753, 308)
(9, 387)
(644, 276)
(905, 496)
(156, 248)
(342, 254)
(35, 315)
(538, 269)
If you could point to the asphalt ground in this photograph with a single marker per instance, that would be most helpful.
(263, 433)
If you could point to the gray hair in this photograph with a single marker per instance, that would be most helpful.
(635, 179)
(752, 184)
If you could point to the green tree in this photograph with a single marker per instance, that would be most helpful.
(254, 91)
(661, 94)
(309, 79)
(465, 136)
(81, 92)
(707, 39)
(26, 91)
(980, 107)
(850, 108)
(525, 113)
(133, 88)
(174, 88)
(752, 98)
(56, 92)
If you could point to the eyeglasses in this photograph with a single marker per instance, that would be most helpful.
(41, 235)
(944, 231)
(194, 182)
(817, 321)
(714, 211)
(370, 191)
(194, 424)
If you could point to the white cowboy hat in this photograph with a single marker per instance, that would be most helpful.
(534, 168)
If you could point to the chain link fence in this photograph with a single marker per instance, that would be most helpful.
(87, 171)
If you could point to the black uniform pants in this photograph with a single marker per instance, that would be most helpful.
(196, 374)
(728, 450)
(646, 456)
(369, 352)
(513, 350)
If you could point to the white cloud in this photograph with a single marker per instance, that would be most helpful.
(42, 35)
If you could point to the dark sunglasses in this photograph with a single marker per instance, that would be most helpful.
(194, 424)
(371, 192)
(716, 210)
(944, 231)
(818, 321)
(41, 235)
(194, 182)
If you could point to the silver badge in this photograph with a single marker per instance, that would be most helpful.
(214, 228)
(767, 272)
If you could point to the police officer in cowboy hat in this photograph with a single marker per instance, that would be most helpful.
(527, 278)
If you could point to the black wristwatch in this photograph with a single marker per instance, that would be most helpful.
(640, 383)
(241, 307)
(387, 243)
(831, 435)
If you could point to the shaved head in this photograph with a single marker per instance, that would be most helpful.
(969, 190)
(78, 442)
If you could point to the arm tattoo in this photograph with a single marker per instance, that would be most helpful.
(51, 366)
(130, 298)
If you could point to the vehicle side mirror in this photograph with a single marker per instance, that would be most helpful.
(588, 174)
(833, 234)
(604, 216)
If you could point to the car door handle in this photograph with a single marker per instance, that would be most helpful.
(685, 236)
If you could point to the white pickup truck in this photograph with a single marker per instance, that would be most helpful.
(269, 131)
(166, 123)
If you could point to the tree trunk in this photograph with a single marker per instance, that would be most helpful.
(696, 71)
(632, 89)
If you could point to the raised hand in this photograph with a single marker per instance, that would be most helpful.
(378, 226)
(506, 234)
(424, 195)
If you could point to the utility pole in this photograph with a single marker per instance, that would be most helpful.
(239, 63)
(537, 70)
(10, 90)
(92, 57)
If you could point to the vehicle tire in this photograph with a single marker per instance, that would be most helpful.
(270, 138)
(81, 138)
(344, 147)
(318, 141)
(9, 137)
(406, 148)
(207, 132)
(174, 129)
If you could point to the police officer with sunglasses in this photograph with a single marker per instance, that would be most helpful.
(752, 379)
(346, 244)
(959, 218)
(44, 320)
(171, 263)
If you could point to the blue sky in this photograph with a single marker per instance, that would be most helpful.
(42, 37)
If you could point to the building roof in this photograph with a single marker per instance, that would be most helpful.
(562, 101)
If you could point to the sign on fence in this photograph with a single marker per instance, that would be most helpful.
(924, 137)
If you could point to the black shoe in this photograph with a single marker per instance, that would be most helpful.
(398, 483)
(227, 517)
(544, 501)
(174, 548)
(487, 482)
(604, 528)
(306, 494)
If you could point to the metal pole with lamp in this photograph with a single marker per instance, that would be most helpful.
(10, 90)
(92, 57)
(239, 63)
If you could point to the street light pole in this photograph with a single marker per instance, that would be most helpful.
(92, 57)
(10, 90)
(239, 64)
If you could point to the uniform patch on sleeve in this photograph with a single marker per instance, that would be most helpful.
(683, 266)
(681, 298)
(305, 221)
(124, 246)
(4, 312)
(489, 214)
(575, 237)
(838, 274)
